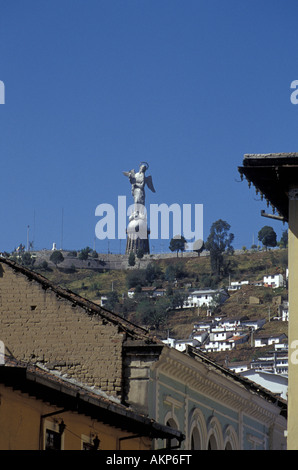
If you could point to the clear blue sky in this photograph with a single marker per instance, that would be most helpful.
(93, 87)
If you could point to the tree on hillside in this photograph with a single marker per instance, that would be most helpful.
(175, 271)
(152, 272)
(218, 242)
(85, 253)
(112, 301)
(136, 278)
(140, 253)
(56, 257)
(283, 243)
(177, 300)
(177, 243)
(26, 260)
(131, 259)
(267, 237)
(153, 313)
(198, 247)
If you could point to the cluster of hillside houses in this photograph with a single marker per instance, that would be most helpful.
(207, 297)
(220, 334)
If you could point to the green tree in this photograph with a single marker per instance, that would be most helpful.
(131, 259)
(198, 247)
(267, 237)
(56, 257)
(175, 271)
(72, 254)
(218, 242)
(177, 300)
(152, 272)
(27, 259)
(135, 278)
(177, 244)
(44, 265)
(84, 253)
(283, 243)
(153, 314)
(112, 301)
(140, 253)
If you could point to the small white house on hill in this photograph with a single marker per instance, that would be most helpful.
(274, 281)
(205, 298)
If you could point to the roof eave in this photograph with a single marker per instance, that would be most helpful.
(272, 175)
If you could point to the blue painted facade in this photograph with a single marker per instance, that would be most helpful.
(212, 409)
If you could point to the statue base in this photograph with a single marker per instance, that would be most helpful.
(135, 244)
(137, 236)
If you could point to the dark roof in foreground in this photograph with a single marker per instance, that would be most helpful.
(272, 175)
(71, 395)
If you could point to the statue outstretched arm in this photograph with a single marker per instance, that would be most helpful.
(130, 174)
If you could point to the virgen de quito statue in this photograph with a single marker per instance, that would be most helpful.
(137, 228)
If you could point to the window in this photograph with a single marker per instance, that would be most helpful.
(212, 444)
(195, 442)
(52, 440)
(170, 443)
(53, 436)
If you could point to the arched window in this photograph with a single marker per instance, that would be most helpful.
(197, 431)
(231, 441)
(195, 440)
(214, 436)
(171, 442)
(212, 443)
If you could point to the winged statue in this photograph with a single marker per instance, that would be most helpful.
(138, 182)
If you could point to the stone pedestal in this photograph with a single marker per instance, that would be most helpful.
(137, 235)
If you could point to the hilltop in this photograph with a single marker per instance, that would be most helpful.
(93, 278)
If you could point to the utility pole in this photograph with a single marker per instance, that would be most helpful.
(28, 227)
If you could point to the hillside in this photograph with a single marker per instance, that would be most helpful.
(96, 275)
(190, 273)
(194, 271)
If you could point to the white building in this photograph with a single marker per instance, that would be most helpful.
(275, 362)
(205, 298)
(204, 325)
(236, 285)
(277, 384)
(181, 344)
(239, 367)
(284, 311)
(274, 281)
(224, 341)
(200, 336)
(255, 324)
(241, 322)
(267, 340)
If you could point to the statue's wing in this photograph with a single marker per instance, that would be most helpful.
(149, 183)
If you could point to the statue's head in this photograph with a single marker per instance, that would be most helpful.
(144, 166)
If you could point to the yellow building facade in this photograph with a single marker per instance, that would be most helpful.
(275, 178)
(41, 411)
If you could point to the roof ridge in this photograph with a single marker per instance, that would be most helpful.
(126, 325)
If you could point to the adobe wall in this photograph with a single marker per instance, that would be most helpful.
(38, 325)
